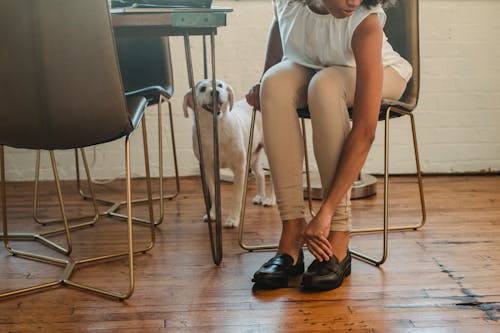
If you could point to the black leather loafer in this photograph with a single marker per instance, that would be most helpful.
(275, 272)
(326, 275)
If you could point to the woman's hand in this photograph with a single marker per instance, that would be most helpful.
(316, 236)
(253, 96)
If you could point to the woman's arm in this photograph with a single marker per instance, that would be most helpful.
(274, 53)
(367, 47)
(274, 50)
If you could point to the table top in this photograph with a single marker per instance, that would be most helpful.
(169, 21)
(136, 10)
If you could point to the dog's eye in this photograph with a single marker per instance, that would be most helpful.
(202, 89)
(219, 85)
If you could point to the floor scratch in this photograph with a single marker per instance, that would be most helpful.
(470, 298)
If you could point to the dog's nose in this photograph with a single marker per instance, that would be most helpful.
(216, 93)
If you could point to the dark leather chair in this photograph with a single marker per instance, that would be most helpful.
(402, 30)
(61, 88)
(146, 69)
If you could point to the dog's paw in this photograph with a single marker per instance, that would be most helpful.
(231, 223)
(257, 200)
(269, 201)
(212, 217)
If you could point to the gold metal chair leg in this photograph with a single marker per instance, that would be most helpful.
(6, 237)
(244, 195)
(308, 173)
(245, 188)
(174, 152)
(33, 256)
(79, 188)
(66, 279)
(42, 237)
(112, 211)
(93, 218)
(418, 175)
(115, 206)
(130, 251)
(70, 265)
(385, 228)
(163, 195)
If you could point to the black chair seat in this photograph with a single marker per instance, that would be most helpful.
(135, 108)
(304, 112)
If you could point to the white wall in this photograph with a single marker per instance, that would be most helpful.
(458, 116)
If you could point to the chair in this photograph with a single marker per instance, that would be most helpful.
(60, 74)
(146, 68)
(402, 30)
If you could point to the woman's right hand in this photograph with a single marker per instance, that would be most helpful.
(316, 236)
(253, 96)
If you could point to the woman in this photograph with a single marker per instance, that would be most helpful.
(329, 55)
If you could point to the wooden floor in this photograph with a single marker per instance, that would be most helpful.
(442, 278)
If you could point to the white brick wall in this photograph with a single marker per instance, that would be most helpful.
(458, 116)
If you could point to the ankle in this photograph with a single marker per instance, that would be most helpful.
(340, 254)
(292, 251)
(291, 240)
(340, 243)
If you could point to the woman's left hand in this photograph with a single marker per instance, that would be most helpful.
(316, 237)
(253, 97)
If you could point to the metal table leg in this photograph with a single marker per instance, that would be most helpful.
(215, 242)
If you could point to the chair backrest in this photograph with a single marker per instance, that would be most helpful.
(402, 30)
(60, 85)
(145, 61)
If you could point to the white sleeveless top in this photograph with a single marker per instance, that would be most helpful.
(318, 41)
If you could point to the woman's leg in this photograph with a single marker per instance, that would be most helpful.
(284, 89)
(330, 94)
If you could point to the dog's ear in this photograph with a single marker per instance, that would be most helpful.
(230, 95)
(188, 102)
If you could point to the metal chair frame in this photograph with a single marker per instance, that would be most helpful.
(115, 206)
(42, 236)
(46, 221)
(124, 112)
(70, 265)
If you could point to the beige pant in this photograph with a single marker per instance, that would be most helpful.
(328, 93)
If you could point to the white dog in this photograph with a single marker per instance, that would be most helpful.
(233, 128)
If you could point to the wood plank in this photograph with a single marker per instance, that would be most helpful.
(442, 278)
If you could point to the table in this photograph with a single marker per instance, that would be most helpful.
(185, 22)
